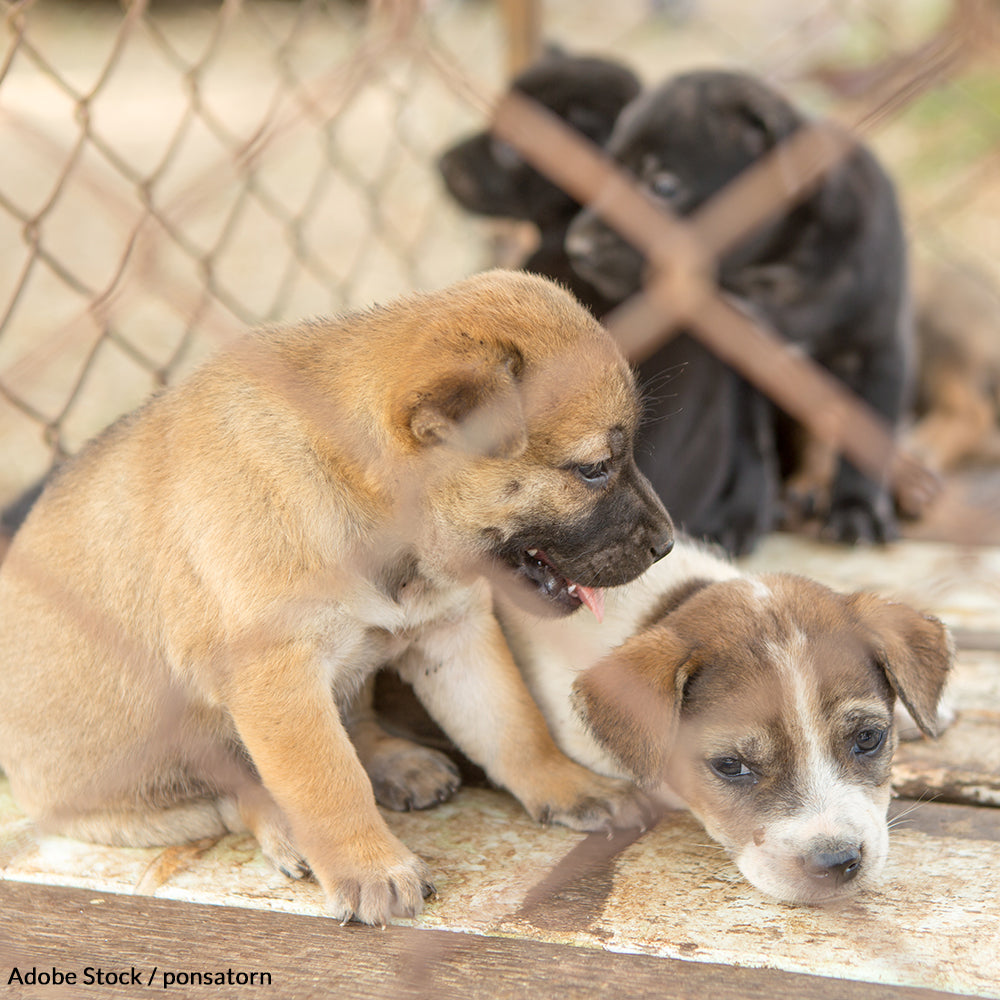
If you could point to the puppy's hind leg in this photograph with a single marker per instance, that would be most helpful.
(232, 800)
(253, 809)
(143, 826)
(404, 774)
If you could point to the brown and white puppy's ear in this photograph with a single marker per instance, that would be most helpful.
(914, 650)
(475, 406)
(631, 700)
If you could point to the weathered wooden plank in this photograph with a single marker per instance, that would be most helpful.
(933, 922)
(977, 639)
(944, 820)
(69, 930)
(963, 765)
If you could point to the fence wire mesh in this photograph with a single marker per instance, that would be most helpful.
(176, 173)
(173, 173)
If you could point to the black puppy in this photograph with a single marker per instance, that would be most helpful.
(829, 274)
(706, 443)
(487, 176)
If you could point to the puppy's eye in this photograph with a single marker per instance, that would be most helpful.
(665, 186)
(733, 770)
(595, 474)
(869, 741)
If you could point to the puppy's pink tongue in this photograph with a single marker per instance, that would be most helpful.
(593, 597)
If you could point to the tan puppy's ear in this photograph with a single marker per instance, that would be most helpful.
(914, 650)
(475, 407)
(631, 700)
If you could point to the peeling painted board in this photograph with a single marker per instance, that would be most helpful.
(933, 923)
(963, 764)
(309, 957)
(945, 820)
(976, 639)
(961, 584)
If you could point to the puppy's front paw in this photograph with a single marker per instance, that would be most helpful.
(801, 502)
(395, 885)
(269, 825)
(408, 776)
(855, 523)
(591, 802)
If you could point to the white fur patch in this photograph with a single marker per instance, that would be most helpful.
(760, 591)
(834, 809)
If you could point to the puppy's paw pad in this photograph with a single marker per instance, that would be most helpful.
(414, 777)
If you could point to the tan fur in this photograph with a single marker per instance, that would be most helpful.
(196, 597)
(958, 385)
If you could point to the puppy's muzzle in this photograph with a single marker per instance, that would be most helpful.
(663, 545)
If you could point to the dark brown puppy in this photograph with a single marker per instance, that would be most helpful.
(196, 595)
(829, 274)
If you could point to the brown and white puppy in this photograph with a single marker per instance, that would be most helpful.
(194, 597)
(764, 704)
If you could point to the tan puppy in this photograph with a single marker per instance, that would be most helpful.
(194, 595)
(958, 377)
(764, 704)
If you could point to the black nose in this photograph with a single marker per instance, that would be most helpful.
(662, 546)
(838, 866)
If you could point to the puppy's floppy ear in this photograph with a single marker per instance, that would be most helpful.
(631, 700)
(475, 406)
(914, 650)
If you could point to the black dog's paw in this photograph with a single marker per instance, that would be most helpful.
(854, 523)
(407, 776)
(738, 539)
(801, 503)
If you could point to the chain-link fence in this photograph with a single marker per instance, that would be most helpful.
(174, 173)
